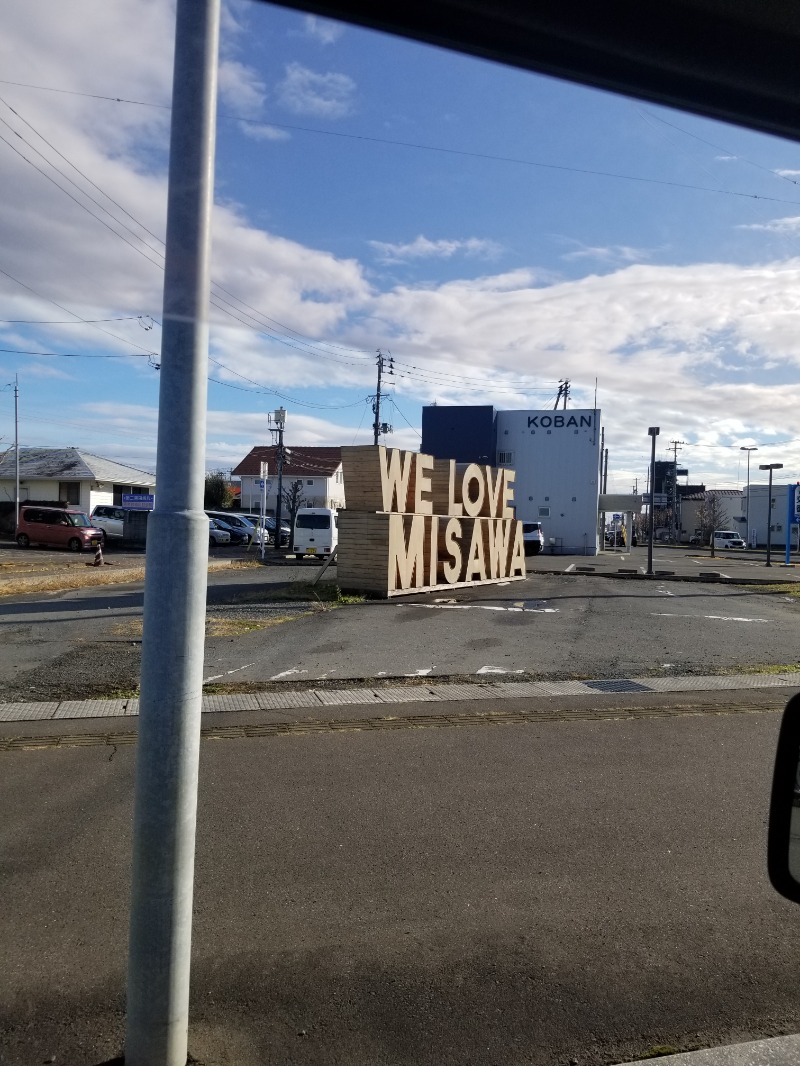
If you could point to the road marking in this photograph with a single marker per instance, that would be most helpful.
(570, 568)
(710, 617)
(216, 677)
(420, 673)
(287, 673)
(664, 592)
(480, 607)
(497, 670)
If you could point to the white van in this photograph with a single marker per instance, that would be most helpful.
(727, 538)
(316, 531)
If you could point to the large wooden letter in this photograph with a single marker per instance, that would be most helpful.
(509, 477)
(395, 473)
(452, 566)
(422, 484)
(499, 544)
(518, 554)
(494, 491)
(472, 475)
(406, 552)
(476, 564)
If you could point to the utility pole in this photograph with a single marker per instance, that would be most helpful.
(563, 391)
(605, 472)
(279, 418)
(653, 431)
(752, 448)
(675, 445)
(379, 427)
(16, 452)
(170, 702)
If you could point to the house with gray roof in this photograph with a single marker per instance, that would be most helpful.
(70, 476)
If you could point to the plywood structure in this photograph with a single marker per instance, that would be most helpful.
(415, 523)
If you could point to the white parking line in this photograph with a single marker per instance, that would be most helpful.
(480, 607)
(710, 617)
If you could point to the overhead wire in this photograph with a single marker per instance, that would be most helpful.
(464, 153)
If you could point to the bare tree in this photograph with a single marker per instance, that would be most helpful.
(711, 514)
(293, 500)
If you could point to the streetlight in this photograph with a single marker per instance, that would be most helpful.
(770, 467)
(752, 448)
(653, 432)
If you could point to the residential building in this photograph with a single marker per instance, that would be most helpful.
(319, 470)
(69, 476)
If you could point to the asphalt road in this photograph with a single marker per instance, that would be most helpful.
(551, 625)
(528, 894)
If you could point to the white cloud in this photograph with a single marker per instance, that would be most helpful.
(263, 131)
(323, 30)
(775, 225)
(613, 253)
(424, 248)
(304, 92)
(783, 173)
(241, 87)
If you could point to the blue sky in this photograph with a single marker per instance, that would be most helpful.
(494, 230)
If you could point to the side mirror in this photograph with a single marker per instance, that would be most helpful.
(783, 844)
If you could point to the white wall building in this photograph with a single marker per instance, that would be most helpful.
(556, 455)
(71, 476)
(759, 507)
(319, 471)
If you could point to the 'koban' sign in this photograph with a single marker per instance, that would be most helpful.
(414, 522)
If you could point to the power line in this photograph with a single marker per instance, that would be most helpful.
(464, 153)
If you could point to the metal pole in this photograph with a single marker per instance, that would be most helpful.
(769, 518)
(770, 467)
(376, 407)
(280, 416)
(790, 518)
(176, 575)
(653, 431)
(751, 448)
(16, 452)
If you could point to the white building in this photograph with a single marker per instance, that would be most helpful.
(759, 509)
(69, 476)
(317, 470)
(556, 455)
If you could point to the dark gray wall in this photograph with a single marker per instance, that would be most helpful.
(466, 434)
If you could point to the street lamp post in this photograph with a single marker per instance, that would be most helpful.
(653, 431)
(751, 448)
(770, 467)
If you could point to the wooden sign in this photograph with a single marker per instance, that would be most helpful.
(415, 523)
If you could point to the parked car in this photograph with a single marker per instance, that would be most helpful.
(216, 535)
(57, 527)
(269, 525)
(316, 531)
(110, 520)
(237, 536)
(696, 538)
(727, 538)
(533, 537)
(241, 523)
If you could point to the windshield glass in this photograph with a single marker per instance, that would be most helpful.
(313, 521)
(78, 520)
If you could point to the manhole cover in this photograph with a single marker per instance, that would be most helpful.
(617, 686)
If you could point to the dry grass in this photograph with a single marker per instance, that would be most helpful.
(216, 626)
(72, 579)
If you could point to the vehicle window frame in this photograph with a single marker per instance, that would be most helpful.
(781, 802)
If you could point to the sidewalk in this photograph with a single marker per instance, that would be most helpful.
(393, 696)
(779, 1051)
